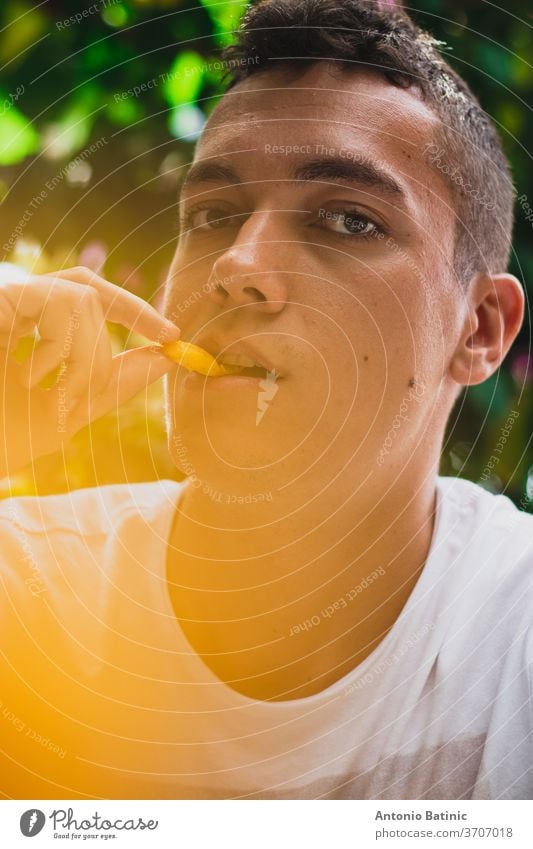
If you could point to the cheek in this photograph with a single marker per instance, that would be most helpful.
(184, 289)
(187, 308)
(381, 342)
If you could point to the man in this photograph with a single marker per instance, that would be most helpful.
(313, 613)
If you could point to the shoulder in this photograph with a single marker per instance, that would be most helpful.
(46, 541)
(484, 520)
(487, 542)
(85, 512)
(480, 502)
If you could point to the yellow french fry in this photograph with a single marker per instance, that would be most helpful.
(194, 358)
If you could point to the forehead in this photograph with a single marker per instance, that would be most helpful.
(349, 111)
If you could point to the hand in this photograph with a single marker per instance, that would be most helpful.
(73, 357)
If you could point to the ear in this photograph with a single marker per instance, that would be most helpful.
(493, 317)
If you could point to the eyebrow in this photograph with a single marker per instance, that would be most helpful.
(331, 168)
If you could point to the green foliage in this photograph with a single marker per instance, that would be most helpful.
(18, 139)
(185, 78)
(225, 17)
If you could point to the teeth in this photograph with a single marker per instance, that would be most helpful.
(237, 360)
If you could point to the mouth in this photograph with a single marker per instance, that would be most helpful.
(210, 364)
(242, 365)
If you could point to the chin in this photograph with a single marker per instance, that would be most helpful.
(233, 433)
(238, 427)
(222, 449)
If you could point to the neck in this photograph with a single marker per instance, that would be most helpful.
(285, 596)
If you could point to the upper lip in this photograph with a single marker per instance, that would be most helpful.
(218, 348)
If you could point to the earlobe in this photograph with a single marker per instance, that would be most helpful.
(492, 321)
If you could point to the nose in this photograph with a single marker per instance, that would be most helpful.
(249, 272)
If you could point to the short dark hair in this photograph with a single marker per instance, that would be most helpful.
(388, 42)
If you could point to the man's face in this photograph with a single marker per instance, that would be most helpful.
(317, 241)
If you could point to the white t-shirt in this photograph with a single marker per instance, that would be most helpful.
(102, 696)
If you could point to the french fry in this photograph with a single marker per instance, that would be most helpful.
(194, 358)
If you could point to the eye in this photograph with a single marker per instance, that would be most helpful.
(208, 217)
(350, 223)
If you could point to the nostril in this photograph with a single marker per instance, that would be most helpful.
(255, 293)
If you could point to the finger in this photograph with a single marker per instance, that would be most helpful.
(83, 344)
(132, 371)
(45, 358)
(22, 303)
(124, 307)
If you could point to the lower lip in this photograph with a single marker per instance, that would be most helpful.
(194, 380)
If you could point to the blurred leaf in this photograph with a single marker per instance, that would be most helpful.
(26, 25)
(225, 16)
(185, 78)
(495, 61)
(116, 16)
(124, 112)
(511, 116)
(99, 56)
(71, 131)
(493, 396)
(522, 74)
(18, 138)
